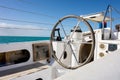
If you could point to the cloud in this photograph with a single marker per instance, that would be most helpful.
(7, 29)
(15, 26)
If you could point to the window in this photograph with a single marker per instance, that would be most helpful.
(14, 57)
(41, 51)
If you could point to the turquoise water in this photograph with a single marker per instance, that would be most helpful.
(11, 39)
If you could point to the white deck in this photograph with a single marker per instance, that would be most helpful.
(22, 71)
(106, 68)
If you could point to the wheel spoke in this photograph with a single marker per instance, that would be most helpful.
(74, 29)
(73, 54)
(65, 46)
(63, 29)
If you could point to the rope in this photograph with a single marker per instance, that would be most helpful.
(24, 21)
(20, 10)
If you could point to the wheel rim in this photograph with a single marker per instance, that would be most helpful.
(69, 43)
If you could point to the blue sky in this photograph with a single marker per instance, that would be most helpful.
(49, 12)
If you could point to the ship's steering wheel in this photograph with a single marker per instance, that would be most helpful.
(67, 37)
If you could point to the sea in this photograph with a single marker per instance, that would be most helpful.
(11, 39)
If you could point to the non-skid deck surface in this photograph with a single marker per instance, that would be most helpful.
(21, 71)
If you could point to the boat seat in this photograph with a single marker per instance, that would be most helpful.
(22, 71)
